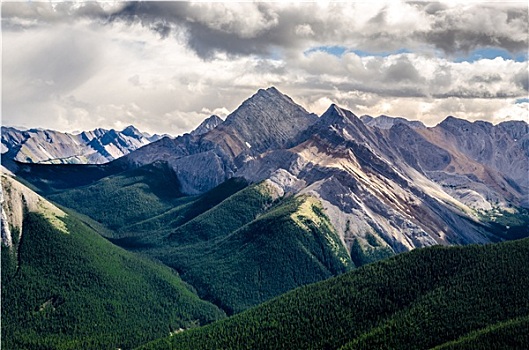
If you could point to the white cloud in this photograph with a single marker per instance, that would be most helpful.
(67, 67)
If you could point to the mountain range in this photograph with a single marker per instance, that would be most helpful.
(274, 198)
(88, 147)
(98, 146)
(407, 185)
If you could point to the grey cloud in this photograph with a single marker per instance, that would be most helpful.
(266, 27)
(408, 75)
(433, 7)
(50, 12)
(486, 78)
(466, 93)
(460, 40)
(454, 30)
(402, 71)
(379, 19)
(522, 79)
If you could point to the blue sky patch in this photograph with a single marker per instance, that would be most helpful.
(491, 53)
(380, 54)
(338, 51)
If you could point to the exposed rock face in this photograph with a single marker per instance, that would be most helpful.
(491, 161)
(207, 125)
(89, 147)
(16, 200)
(266, 121)
(480, 164)
(370, 187)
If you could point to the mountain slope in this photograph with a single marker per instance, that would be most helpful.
(502, 335)
(125, 198)
(65, 287)
(416, 300)
(267, 120)
(88, 147)
(381, 183)
(237, 245)
(142, 201)
(242, 261)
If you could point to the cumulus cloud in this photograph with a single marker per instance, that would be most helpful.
(165, 66)
(259, 28)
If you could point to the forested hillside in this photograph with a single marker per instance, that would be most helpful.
(418, 300)
(76, 290)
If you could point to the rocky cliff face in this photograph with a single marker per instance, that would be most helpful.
(266, 121)
(89, 147)
(16, 200)
(370, 186)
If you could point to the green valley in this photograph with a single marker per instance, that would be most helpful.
(238, 245)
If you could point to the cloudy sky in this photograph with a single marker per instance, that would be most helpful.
(165, 66)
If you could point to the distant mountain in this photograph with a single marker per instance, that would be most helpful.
(88, 147)
(207, 125)
(66, 287)
(385, 122)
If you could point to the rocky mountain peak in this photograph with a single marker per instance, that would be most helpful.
(340, 117)
(270, 98)
(386, 122)
(270, 92)
(207, 125)
(451, 121)
(267, 120)
(132, 132)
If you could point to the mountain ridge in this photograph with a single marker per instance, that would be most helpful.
(97, 146)
(408, 186)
